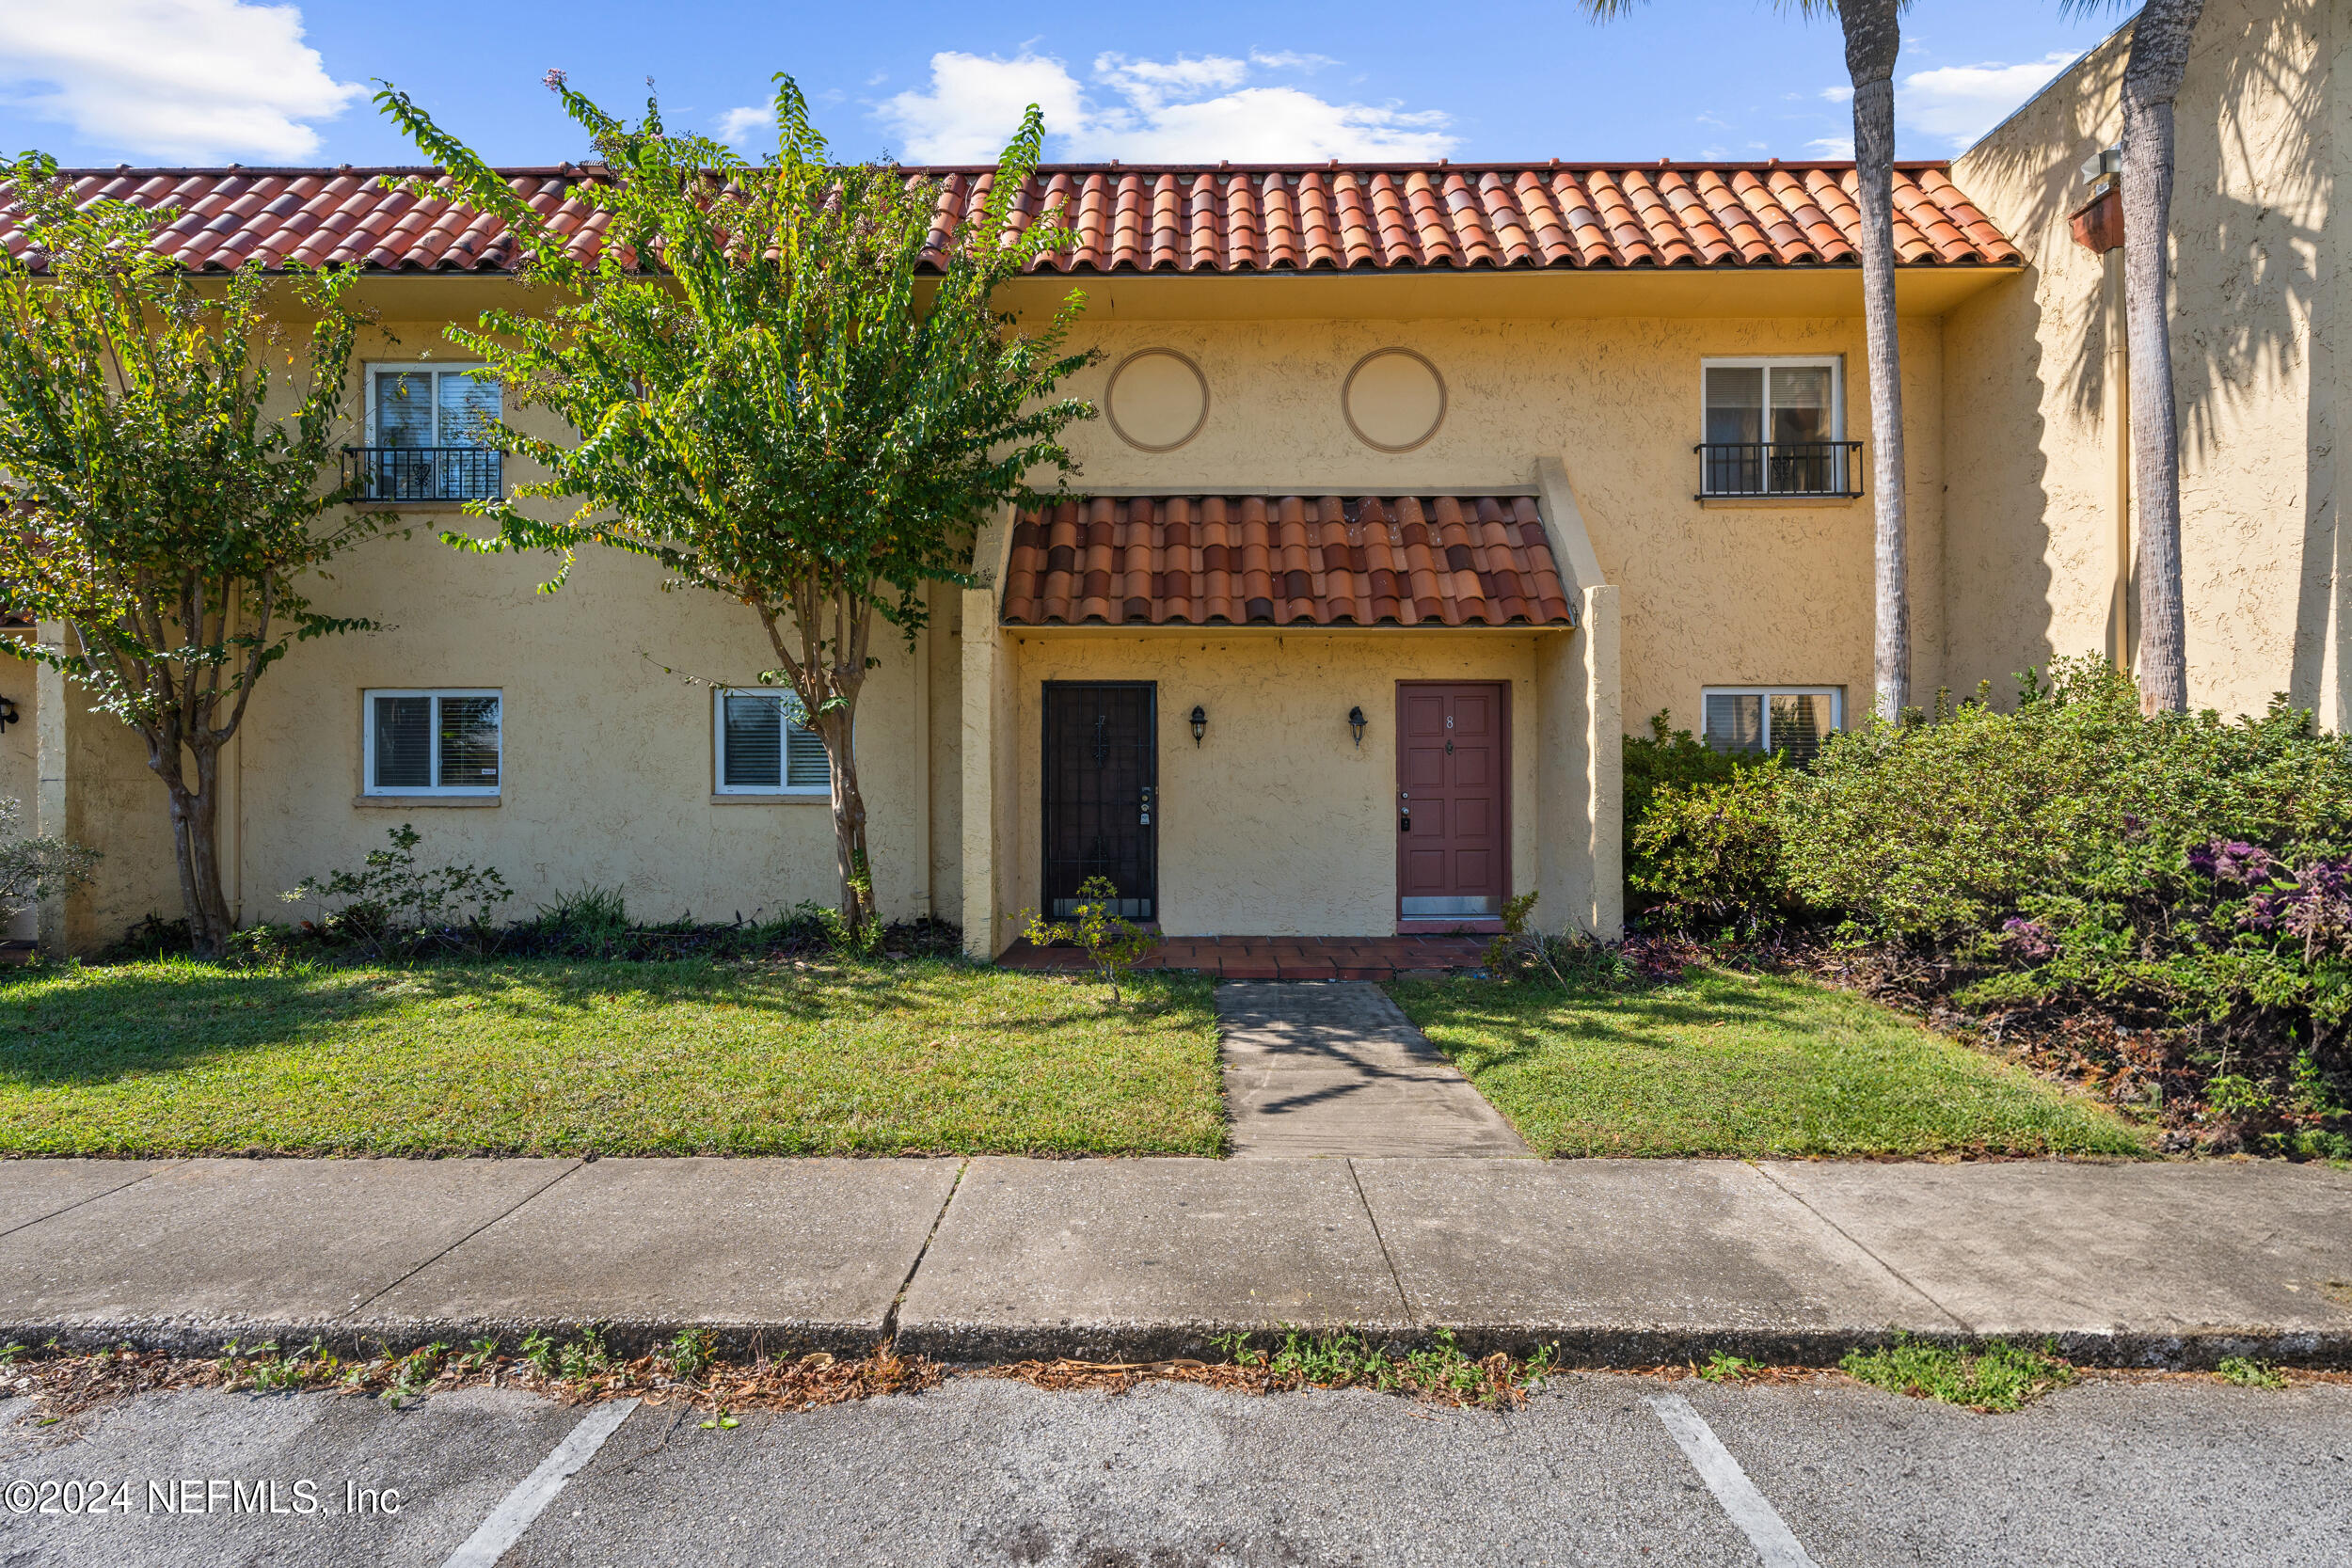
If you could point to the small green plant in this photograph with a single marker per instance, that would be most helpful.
(32, 869)
(10, 1353)
(2249, 1373)
(539, 1353)
(479, 1356)
(1112, 944)
(1994, 1376)
(413, 1374)
(1340, 1359)
(1720, 1368)
(391, 906)
(280, 1374)
(585, 1357)
(720, 1420)
(690, 1354)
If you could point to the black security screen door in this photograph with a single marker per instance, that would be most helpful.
(1102, 793)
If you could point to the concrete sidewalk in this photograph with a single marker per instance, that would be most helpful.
(1338, 1068)
(1619, 1263)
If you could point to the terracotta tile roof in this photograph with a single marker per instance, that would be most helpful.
(1404, 561)
(1227, 219)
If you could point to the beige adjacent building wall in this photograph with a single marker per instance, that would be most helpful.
(2037, 534)
(1277, 824)
(1738, 593)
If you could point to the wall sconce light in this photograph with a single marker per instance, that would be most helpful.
(1200, 724)
(1355, 722)
(7, 713)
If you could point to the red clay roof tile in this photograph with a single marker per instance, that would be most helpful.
(1408, 560)
(1182, 220)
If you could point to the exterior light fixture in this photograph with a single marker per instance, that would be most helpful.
(1355, 722)
(1200, 724)
(2105, 164)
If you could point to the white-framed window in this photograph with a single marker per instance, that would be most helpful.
(1775, 425)
(1791, 719)
(432, 742)
(760, 745)
(424, 433)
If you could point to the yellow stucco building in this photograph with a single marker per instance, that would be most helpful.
(1415, 488)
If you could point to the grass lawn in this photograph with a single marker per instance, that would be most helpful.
(554, 1058)
(1729, 1064)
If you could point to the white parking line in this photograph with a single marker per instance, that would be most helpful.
(507, 1522)
(1740, 1499)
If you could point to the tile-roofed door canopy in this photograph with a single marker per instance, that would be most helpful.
(1228, 219)
(1285, 561)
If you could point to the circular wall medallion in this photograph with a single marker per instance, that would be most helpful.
(1157, 400)
(1394, 400)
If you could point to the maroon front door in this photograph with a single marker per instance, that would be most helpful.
(1452, 810)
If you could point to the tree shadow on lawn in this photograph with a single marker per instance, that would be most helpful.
(95, 1025)
(1518, 1025)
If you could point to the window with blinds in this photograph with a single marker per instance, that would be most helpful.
(1791, 719)
(427, 426)
(1774, 427)
(763, 748)
(432, 743)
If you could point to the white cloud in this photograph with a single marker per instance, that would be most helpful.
(735, 126)
(1961, 103)
(1839, 95)
(200, 80)
(1193, 108)
(974, 105)
(1830, 147)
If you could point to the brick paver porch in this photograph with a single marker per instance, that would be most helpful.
(1281, 958)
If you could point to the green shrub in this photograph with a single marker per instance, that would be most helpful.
(1711, 853)
(2077, 852)
(1668, 758)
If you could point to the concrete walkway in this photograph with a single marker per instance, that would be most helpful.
(1336, 1068)
(1618, 1262)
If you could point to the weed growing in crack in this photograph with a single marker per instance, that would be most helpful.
(2249, 1373)
(1996, 1376)
(1443, 1371)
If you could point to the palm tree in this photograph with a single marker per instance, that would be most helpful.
(2152, 79)
(1873, 38)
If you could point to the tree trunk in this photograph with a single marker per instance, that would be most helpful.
(1873, 38)
(837, 728)
(2152, 79)
(196, 841)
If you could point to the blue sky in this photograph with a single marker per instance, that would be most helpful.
(214, 81)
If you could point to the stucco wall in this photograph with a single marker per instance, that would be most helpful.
(2034, 426)
(20, 748)
(608, 758)
(1719, 594)
(1277, 823)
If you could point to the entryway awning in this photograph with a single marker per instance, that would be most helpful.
(1279, 560)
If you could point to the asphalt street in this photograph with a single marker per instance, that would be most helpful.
(1602, 1468)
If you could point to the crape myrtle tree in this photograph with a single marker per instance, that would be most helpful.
(780, 382)
(157, 506)
(1873, 34)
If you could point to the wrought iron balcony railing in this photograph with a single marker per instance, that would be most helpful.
(1829, 469)
(423, 474)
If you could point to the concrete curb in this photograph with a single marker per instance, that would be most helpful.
(1579, 1346)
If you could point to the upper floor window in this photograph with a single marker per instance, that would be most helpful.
(1795, 720)
(764, 747)
(1775, 427)
(432, 742)
(424, 435)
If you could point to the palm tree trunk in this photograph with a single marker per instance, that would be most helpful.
(2152, 79)
(1873, 38)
